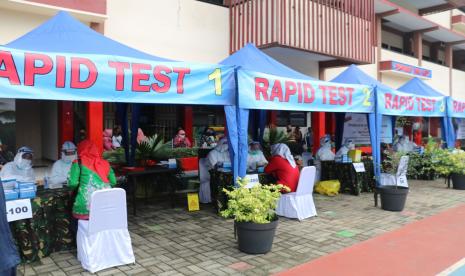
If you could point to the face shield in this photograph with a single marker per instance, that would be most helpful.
(23, 159)
(68, 152)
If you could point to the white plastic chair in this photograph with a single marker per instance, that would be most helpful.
(300, 204)
(400, 178)
(103, 241)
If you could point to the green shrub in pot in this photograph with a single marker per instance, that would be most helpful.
(253, 211)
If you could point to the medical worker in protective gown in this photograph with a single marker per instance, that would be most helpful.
(404, 145)
(215, 158)
(344, 150)
(21, 167)
(324, 153)
(60, 169)
(255, 157)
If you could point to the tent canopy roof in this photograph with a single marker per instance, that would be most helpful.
(418, 87)
(354, 75)
(64, 34)
(251, 58)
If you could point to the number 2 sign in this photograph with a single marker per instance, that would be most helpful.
(18, 209)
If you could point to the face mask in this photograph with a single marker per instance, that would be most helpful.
(24, 164)
(254, 152)
(68, 158)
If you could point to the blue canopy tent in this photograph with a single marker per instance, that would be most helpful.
(64, 34)
(418, 87)
(455, 110)
(356, 76)
(251, 58)
(265, 84)
(63, 48)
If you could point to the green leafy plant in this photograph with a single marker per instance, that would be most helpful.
(421, 165)
(448, 161)
(115, 156)
(167, 152)
(271, 137)
(148, 148)
(256, 204)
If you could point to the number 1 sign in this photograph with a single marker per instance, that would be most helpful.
(18, 209)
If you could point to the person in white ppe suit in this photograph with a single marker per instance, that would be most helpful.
(61, 167)
(219, 155)
(404, 145)
(21, 167)
(324, 153)
(348, 145)
(255, 157)
(215, 158)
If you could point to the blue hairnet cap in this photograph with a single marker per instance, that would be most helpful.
(25, 150)
(68, 146)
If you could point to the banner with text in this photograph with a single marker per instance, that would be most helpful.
(77, 77)
(263, 91)
(393, 102)
(455, 108)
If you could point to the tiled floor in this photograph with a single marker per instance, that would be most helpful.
(175, 242)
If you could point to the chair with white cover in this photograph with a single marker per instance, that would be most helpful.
(299, 204)
(400, 178)
(103, 241)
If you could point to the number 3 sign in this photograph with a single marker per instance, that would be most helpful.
(18, 209)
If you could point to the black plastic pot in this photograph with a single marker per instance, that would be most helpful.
(392, 197)
(255, 238)
(458, 181)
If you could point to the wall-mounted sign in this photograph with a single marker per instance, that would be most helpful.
(405, 69)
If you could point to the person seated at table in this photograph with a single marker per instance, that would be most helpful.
(344, 150)
(219, 155)
(117, 138)
(208, 138)
(21, 167)
(88, 174)
(61, 167)
(324, 153)
(283, 167)
(255, 158)
(404, 145)
(181, 140)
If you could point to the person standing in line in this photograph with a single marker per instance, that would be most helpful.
(9, 257)
(308, 140)
(117, 138)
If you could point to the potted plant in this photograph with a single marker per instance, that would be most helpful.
(393, 197)
(148, 149)
(451, 164)
(253, 211)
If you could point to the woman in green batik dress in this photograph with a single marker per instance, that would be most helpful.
(90, 173)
